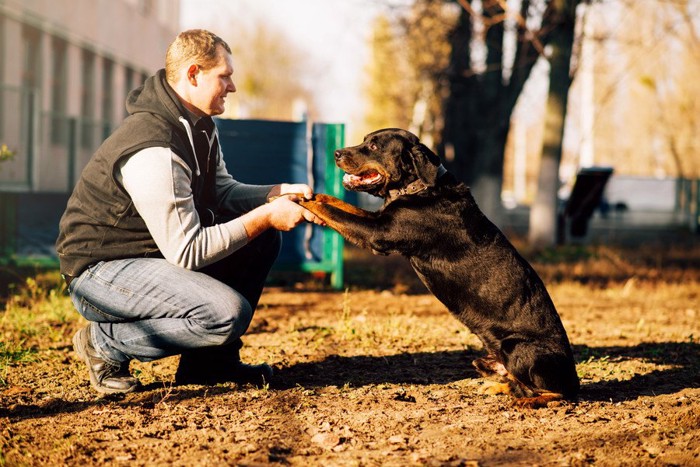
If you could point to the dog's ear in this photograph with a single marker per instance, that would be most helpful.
(425, 163)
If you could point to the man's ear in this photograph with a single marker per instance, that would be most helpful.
(425, 163)
(192, 72)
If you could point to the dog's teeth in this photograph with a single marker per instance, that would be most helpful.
(362, 179)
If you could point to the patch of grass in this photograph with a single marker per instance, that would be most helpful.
(13, 354)
(49, 318)
(345, 323)
(598, 368)
(564, 254)
(13, 280)
(37, 312)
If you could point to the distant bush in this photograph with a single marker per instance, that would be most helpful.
(5, 153)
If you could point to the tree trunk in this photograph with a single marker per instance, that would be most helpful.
(543, 215)
(479, 106)
(476, 121)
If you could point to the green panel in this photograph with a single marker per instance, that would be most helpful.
(8, 225)
(267, 152)
(335, 139)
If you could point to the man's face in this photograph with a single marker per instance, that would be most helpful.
(212, 85)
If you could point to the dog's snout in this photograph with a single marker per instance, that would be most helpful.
(338, 155)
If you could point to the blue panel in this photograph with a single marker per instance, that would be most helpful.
(264, 152)
(256, 152)
(269, 152)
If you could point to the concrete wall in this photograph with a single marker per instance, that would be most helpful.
(129, 37)
(643, 193)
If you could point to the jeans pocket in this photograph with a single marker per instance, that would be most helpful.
(85, 286)
(92, 312)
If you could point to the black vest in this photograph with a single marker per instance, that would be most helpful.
(100, 221)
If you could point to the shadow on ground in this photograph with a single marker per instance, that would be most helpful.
(683, 357)
(419, 368)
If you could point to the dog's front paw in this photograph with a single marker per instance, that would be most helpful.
(324, 198)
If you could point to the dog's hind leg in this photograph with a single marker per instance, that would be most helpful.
(493, 388)
(490, 367)
(538, 401)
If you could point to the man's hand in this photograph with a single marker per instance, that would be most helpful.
(281, 213)
(291, 188)
(285, 213)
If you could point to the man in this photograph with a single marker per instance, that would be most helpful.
(162, 250)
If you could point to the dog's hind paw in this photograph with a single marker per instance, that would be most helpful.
(539, 401)
(493, 388)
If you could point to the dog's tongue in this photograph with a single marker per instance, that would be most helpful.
(362, 179)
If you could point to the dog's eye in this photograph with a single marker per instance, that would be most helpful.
(373, 146)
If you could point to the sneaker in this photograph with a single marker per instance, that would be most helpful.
(220, 365)
(258, 375)
(242, 373)
(106, 377)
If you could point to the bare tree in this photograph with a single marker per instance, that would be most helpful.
(675, 87)
(389, 77)
(410, 52)
(543, 214)
(461, 77)
(270, 74)
(484, 91)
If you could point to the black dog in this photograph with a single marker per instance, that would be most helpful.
(463, 258)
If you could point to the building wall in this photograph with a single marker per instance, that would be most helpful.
(65, 66)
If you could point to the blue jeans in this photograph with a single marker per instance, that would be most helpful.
(147, 308)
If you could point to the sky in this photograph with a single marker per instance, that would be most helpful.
(335, 33)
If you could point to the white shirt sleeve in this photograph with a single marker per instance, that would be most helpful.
(158, 182)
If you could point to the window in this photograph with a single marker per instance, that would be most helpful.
(107, 95)
(145, 7)
(32, 54)
(31, 74)
(128, 84)
(87, 99)
(2, 74)
(59, 89)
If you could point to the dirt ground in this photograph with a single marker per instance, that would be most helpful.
(379, 375)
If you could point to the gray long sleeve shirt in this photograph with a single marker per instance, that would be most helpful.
(167, 206)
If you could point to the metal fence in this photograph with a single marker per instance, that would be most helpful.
(50, 147)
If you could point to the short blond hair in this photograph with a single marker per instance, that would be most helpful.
(193, 45)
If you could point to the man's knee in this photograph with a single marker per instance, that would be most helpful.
(225, 319)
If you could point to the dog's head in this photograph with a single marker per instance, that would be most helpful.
(388, 159)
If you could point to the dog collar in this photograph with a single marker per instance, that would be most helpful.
(414, 187)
